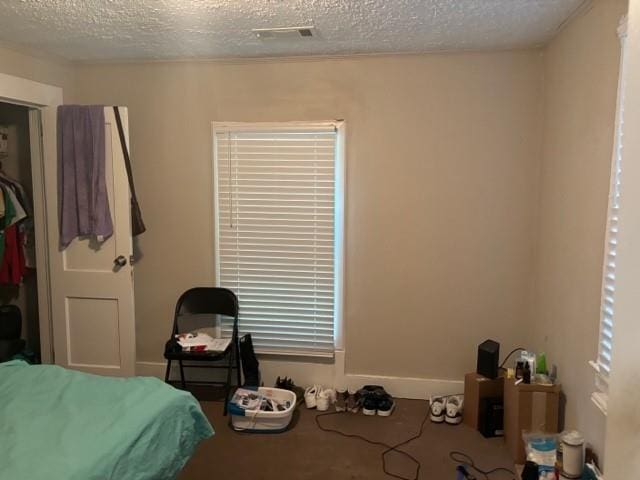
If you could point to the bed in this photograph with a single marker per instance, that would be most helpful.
(59, 424)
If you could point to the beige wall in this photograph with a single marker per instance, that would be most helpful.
(581, 73)
(442, 167)
(39, 68)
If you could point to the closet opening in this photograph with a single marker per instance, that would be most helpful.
(19, 315)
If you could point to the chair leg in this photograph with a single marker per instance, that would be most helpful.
(182, 381)
(227, 387)
(237, 362)
(168, 372)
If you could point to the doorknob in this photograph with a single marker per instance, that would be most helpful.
(121, 261)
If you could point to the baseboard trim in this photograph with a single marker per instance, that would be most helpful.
(408, 387)
(308, 373)
(151, 369)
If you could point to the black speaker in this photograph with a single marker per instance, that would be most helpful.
(492, 417)
(530, 471)
(488, 358)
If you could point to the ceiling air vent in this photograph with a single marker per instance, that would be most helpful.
(284, 33)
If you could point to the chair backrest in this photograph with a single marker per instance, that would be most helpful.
(206, 300)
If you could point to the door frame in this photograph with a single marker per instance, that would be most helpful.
(42, 101)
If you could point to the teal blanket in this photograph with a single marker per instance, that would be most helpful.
(58, 424)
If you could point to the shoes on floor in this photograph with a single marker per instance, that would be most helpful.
(286, 383)
(333, 395)
(369, 398)
(311, 396)
(341, 400)
(454, 408)
(325, 398)
(353, 401)
(318, 397)
(437, 409)
(369, 404)
(386, 405)
(375, 400)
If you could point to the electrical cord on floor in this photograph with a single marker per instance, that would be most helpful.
(467, 461)
(389, 448)
(456, 456)
(519, 349)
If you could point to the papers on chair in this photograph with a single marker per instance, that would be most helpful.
(218, 344)
(202, 342)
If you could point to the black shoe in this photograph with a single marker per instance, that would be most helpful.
(286, 383)
(376, 400)
(386, 405)
(369, 397)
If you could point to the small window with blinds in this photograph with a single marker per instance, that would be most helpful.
(276, 233)
(602, 364)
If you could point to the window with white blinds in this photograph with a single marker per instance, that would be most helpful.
(602, 364)
(276, 232)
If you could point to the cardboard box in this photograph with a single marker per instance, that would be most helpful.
(477, 387)
(528, 408)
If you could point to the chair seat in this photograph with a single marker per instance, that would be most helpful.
(196, 356)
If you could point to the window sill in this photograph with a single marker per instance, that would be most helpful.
(293, 355)
(599, 399)
(595, 366)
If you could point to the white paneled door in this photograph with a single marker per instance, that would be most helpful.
(92, 283)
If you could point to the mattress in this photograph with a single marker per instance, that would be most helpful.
(59, 424)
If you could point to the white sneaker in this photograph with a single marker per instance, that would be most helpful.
(311, 396)
(334, 395)
(325, 399)
(436, 406)
(454, 407)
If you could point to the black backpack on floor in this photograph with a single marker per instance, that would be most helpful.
(250, 364)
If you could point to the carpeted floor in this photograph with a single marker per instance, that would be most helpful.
(305, 452)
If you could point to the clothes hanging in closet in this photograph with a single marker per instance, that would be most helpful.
(16, 226)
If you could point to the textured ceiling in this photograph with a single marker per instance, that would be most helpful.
(153, 29)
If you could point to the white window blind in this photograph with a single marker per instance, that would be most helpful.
(602, 365)
(607, 310)
(275, 200)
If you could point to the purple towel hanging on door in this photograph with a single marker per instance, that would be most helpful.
(83, 204)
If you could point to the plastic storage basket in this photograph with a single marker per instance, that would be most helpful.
(262, 421)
